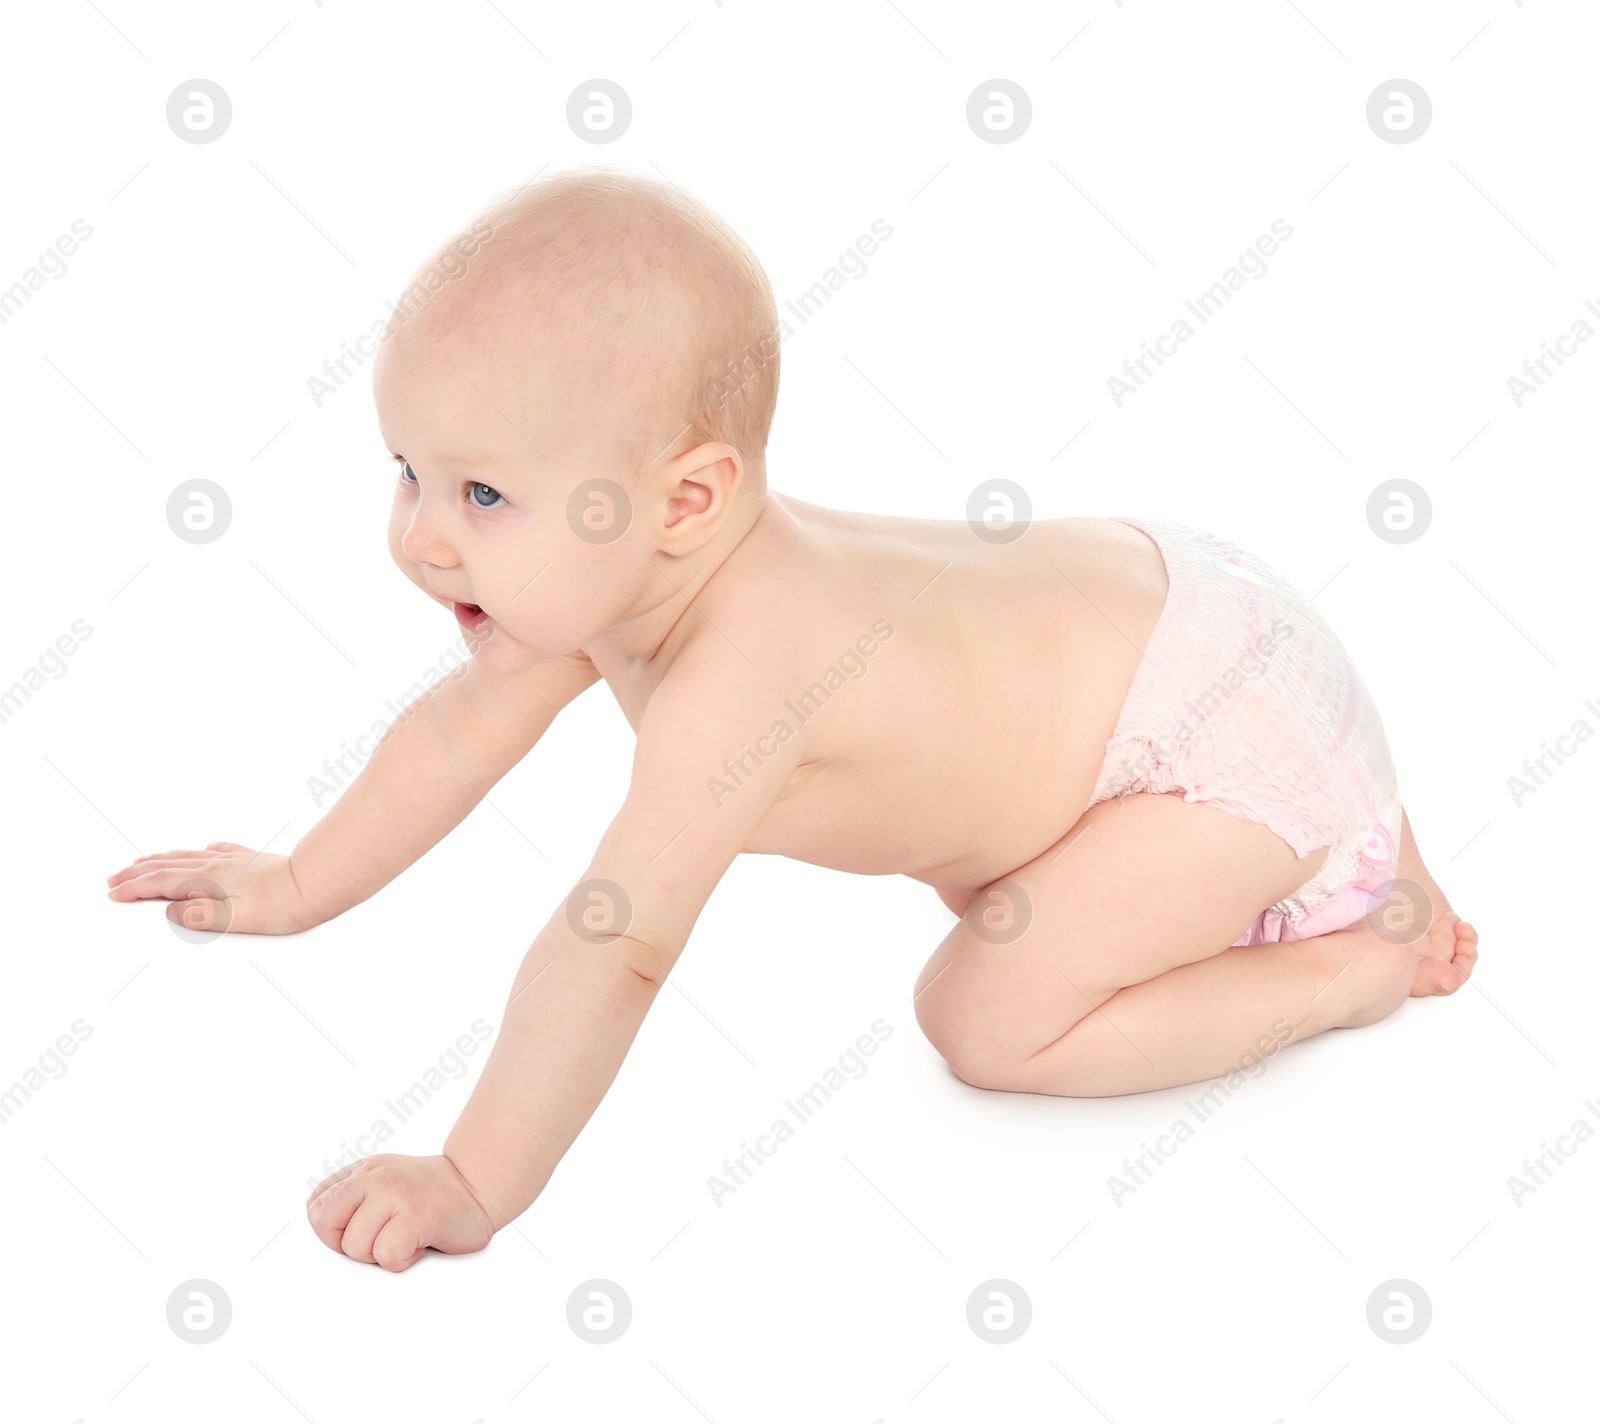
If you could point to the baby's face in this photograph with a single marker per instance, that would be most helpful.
(482, 494)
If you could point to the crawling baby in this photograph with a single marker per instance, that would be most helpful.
(1133, 762)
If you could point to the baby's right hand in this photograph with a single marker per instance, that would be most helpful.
(261, 896)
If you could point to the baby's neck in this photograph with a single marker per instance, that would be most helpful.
(668, 598)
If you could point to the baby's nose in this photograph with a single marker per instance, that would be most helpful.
(422, 542)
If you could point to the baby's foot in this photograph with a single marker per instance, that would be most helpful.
(1445, 956)
(1448, 947)
(1415, 946)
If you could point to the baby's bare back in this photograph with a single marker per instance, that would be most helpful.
(955, 696)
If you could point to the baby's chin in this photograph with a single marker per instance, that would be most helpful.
(498, 652)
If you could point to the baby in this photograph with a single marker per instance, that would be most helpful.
(1130, 758)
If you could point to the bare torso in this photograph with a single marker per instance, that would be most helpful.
(969, 738)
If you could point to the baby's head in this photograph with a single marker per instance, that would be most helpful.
(579, 420)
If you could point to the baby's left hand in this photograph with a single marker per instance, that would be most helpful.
(387, 1210)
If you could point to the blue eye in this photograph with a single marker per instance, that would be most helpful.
(408, 476)
(486, 497)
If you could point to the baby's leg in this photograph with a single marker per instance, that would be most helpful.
(1122, 983)
(1231, 1011)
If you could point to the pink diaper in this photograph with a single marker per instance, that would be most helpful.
(1246, 700)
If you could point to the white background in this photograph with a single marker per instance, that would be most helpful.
(1165, 139)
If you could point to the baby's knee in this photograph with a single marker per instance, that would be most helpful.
(975, 1059)
(983, 1046)
(959, 1035)
(977, 1041)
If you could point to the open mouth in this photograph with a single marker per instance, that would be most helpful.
(470, 616)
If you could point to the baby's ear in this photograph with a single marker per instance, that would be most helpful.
(701, 485)
(688, 498)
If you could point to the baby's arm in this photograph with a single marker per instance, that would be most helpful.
(581, 995)
(430, 769)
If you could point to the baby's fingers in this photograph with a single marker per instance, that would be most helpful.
(146, 863)
(379, 1236)
(362, 1229)
(183, 856)
(327, 1184)
(332, 1206)
(201, 913)
(396, 1247)
(156, 883)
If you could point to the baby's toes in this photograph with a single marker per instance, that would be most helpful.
(1444, 974)
(1466, 955)
(1436, 976)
